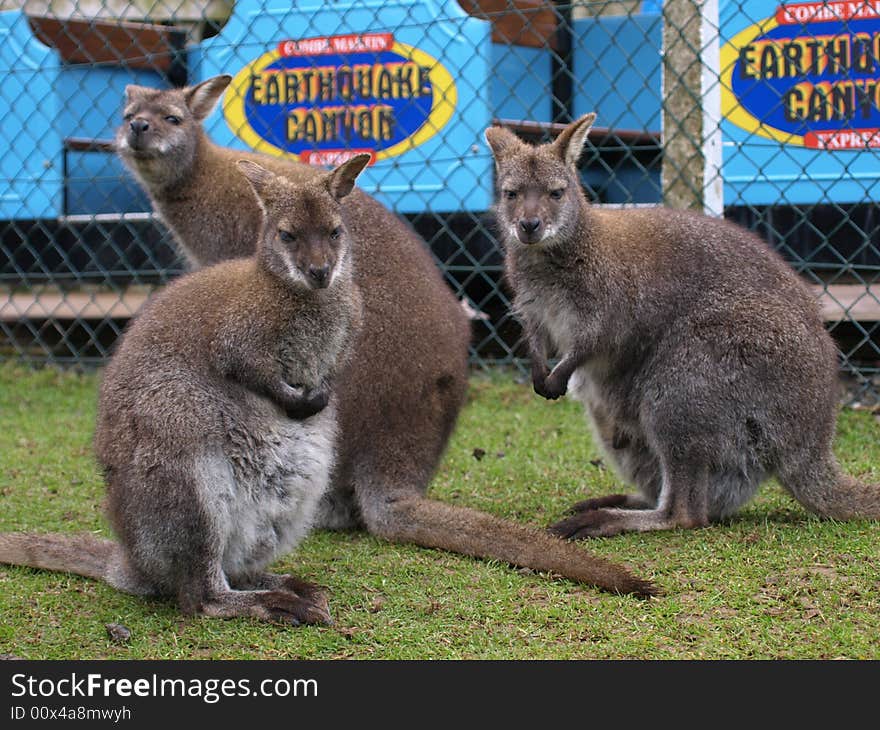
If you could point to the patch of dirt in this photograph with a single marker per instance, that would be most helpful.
(825, 571)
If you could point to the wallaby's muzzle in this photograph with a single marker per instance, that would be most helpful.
(319, 276)
(530, 230)
(138, 129)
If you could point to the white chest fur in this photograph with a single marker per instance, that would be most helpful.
(550, 313)
(265, 499)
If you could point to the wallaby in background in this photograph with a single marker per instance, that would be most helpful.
(699, 354)
(398, 400)
(215, 427)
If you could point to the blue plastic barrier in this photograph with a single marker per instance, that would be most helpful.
(431, 80)
(424, 129)
(31, 163)
(800, 124)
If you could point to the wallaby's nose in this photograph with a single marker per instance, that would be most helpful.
(320, 274)
(530, 225)
(139, 126)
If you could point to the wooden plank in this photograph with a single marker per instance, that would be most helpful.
(55, 304)
(839, 303)
(535, 131)
(858, 302)
(517, 22)
(137, 45)
(89, 144)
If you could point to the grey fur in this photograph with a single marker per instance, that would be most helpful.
(214, 428)
(400, 397)
(699, 355)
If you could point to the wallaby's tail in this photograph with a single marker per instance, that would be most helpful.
(81, 554)
(434, 524)
(824, 489)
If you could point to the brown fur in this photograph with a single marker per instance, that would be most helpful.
(699, 354)
(400, 397)
(216, 428)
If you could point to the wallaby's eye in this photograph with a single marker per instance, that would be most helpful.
(556, 194)
(336, 233)
(286, 236)
(128, 117)
(171, 119)
(509, 194)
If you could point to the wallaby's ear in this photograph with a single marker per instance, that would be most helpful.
(258, 177)
(340, 182)
(501, 141)
(570, 143)
(133, 92)
(202, 98)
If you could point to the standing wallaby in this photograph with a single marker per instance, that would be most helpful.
(215, 427)
(698, 353)
(399, 398)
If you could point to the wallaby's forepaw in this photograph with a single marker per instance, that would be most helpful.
(551, 387)
(312, 402)
(539, 375)
(297, 609)
(541, 390)
(609, 500)
(548, 388)
(585, 524)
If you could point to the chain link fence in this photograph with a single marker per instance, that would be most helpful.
(766, 113)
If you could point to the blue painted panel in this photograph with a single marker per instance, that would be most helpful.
(617, 70)
(630, 183)
(771, 153)
(521, 83)
(97, 182)
(30, 166)
(429, 176)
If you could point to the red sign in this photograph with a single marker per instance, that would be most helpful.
(825, 12)
(843, 139)
(353, 43)
(332, 158)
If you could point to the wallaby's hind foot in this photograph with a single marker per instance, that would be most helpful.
(279, 606)
(313, 592)
(605, 522)
(276, 582)
(585, 523)
(297, 585)
(683, 502)
(624, 501)
(286, 583)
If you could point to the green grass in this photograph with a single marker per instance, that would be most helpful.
(772, 583)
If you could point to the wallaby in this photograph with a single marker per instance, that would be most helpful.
(699, 354)
(398, 400)
(215, 426)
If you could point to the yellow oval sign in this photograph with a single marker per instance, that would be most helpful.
(806, 77)
(323, 99)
